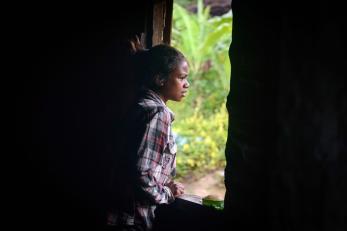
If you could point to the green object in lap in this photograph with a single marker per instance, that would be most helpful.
(213, 202)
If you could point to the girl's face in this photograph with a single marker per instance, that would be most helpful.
(176, 86)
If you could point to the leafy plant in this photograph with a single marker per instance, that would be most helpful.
(201, 120)
(205, 41)
(201, 142)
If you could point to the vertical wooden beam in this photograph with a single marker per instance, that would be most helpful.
(158, 22)
(168, 22)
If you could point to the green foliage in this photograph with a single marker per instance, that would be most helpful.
(201, 142)
(201, 120)
(205, 41)
(185, 3)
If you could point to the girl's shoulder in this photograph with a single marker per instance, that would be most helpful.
(149, 108)
(149, 105)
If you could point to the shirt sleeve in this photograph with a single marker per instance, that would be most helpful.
(149, 155)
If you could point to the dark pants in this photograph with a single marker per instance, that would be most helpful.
(184, 215)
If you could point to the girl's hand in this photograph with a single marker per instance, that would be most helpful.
(176, 188)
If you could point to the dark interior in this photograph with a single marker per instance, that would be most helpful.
(286, 150)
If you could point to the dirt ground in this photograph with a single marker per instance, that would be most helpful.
(210, 184)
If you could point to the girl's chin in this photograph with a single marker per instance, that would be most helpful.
(178, 99)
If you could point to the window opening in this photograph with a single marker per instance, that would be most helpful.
(204, 36)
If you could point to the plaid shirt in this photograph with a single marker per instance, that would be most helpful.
(155, 160)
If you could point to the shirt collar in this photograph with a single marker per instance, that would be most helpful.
(159, 100)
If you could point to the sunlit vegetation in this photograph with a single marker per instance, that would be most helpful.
(201, 120)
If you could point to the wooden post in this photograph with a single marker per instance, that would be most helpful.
(168, 22)
(161, 21)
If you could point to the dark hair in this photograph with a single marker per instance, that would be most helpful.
(159, 60)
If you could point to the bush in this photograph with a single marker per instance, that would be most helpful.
(205, 41)
(201, 120)
(201, 142)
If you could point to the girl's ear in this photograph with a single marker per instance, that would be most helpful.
(159, 82)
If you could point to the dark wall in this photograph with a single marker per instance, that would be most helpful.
(72, 97)
(286, 148)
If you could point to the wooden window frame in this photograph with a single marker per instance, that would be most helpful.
(158, 23)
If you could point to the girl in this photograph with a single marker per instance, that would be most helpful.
(147, 166)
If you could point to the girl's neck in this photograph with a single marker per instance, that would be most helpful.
(160, 96)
